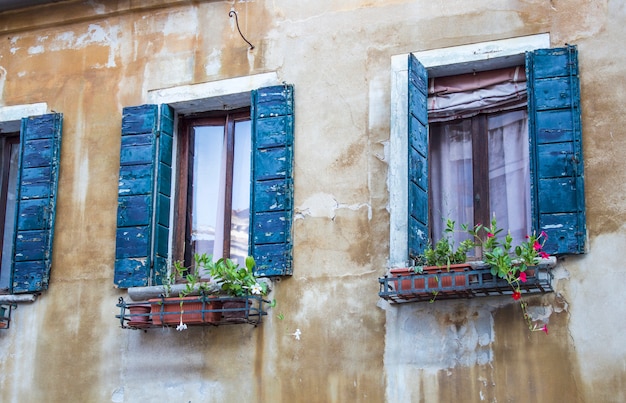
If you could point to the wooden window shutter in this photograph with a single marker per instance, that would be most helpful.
(556, 158)
(418, 157)
(144, 196)
(40, 150)
(272, 180)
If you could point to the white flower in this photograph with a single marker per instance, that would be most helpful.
(297, 334)
(256, 289)
(181, 326)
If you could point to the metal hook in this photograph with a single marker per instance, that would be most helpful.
(230, 14)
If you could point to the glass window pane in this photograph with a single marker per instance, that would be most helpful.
(209, 164)
(451, 173)
(240, 215)
(509, 176)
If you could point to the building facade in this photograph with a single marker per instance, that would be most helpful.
(106, 110)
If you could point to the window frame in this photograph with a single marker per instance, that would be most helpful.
(480, 167)
(144, 239)
(8, 140)
(440, 62)
(36, 193)
(181, 243)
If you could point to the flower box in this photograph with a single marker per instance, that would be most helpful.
(407, 286)
(189, 310)
(440, 279)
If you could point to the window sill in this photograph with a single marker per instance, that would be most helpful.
(474, 281)
(156, 291)
(199, 310)
(17, 298)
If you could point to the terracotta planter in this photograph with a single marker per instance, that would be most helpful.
(139, 315)
(168, 310)
(446, 281)
(434, 283)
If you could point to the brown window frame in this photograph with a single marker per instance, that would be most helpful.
(480, 167)
(182, 247)
(7, 141)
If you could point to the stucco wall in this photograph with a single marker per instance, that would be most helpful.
(89, 60)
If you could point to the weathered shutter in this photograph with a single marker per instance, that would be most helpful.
(40, 148)
(418, 157)
(556, 158)
(144, 196)
(272, 180)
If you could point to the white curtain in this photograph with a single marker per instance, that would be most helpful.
(453, 101)
(509, 175)
(509, 178)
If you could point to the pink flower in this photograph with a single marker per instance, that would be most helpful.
(527, 236)
(544, 255)
(537, 246)
(543, 234)
(517, 295)
(489, 235)
(522, 277)
(545, 328)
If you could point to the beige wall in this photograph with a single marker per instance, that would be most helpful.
(90, 60)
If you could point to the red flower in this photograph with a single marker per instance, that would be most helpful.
(545, 328)
(489, 235)
(543, 234)
(544, 255)
(517, 295)
(522, 277)
(537, 246)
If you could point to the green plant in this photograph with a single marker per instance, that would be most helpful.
(510, 262)
(444, 253)
(236, 280)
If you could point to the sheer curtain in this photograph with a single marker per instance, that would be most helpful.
(451, 179)
(509, 175)
(452, 103)
(451, 175)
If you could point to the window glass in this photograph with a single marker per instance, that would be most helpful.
(220, 188)
(509, 176)
(240, 220)
(462, 164)
(208, 190)
(451, 174)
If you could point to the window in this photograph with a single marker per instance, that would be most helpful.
(214, 186)
(28, 189)
(145, 245)
(9, 147)
(478, 151)
(555, 172)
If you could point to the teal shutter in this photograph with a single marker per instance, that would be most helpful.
(556, 158)
(40, 148)
(144, 196)
(272, 180)
(418, 157)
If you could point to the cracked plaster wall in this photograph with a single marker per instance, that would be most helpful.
(90, 59)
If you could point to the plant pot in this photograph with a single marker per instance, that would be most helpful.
(417, 285)
(404, 285)
(238, 315)
(139, 315)
(446, 281)
(168, 310)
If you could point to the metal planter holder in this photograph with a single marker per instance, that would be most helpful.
(475, 282)
(199, 310)
(5, 315)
